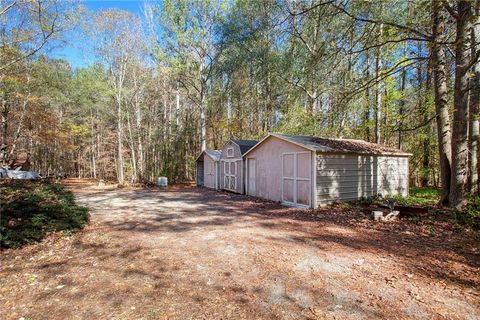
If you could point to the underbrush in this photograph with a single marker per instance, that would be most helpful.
(429, 198)
(30, 210)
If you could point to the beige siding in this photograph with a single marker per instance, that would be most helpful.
(268, 180)
(346, 177)
(393, 175)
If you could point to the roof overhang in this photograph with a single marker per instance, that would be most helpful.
(205, 153)
(388, 154)
(278, 137)
(201, 154)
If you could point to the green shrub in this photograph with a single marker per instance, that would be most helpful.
(367, 200)
(29, 210)
(424, 197)
(473, 207)
(470, 215)
(429, 197)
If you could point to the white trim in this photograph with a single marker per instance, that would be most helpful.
(215, 170)
(242, 177)
(247, 175)
(228, 152)
(295, 178)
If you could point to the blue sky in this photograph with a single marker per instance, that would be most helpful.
(79, 57)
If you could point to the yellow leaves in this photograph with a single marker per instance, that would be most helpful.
(12, 79)
(78, 130)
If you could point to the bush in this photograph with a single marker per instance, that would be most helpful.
(470, 215)
(29, 210)
(424, 197)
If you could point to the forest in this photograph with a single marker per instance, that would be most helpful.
(180, 76)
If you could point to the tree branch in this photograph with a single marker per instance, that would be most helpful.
(7, 8)
(389, 23)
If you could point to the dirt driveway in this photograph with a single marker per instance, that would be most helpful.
(189, 253)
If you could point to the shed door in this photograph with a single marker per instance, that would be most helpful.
(209, 174)
(229, 177)
(296, 178)
(200, 173)
(251, 177)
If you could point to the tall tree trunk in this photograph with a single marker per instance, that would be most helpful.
(118, 85)
(3, 146)
(93, 148)
(378, 92)
(120, 176)
(203, 129)
(441, 99)
(425, 178)
(458, 182)
(401, 110)
(177, 108)
(367, 98)
(474, 134)
(140, 152)
(133, 156)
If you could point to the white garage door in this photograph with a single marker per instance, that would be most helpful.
(296, 178)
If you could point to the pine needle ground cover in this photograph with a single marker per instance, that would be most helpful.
(31, 210)
(186, 252)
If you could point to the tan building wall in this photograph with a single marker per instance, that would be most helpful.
(348, 177)
(393, 175)
(268, 169)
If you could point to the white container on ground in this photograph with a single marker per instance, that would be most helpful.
(377, 215)
(162, 182)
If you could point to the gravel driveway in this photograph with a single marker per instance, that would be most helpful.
(190, 253)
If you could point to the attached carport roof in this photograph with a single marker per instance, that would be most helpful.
(318, 144)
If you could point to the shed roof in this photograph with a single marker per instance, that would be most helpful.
(214, 154)
(319, 144)
(245, 145)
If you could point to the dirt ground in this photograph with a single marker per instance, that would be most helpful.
(191, 253)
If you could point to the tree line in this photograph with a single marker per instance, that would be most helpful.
(182, 76)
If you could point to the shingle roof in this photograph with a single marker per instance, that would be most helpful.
(245, 145)
(341, 145)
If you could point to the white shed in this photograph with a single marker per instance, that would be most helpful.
(307, 171)
(208, 170)
(232, 165)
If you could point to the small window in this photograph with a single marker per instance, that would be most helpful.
(230, 152)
